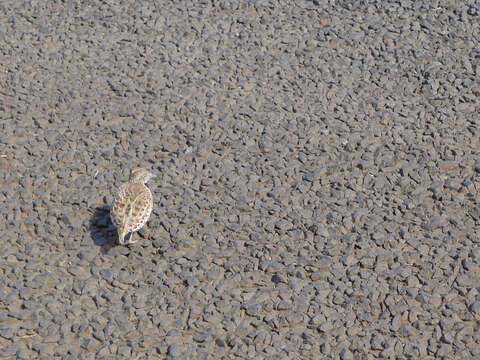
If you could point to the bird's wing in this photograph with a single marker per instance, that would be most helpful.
(122, 206)
(137, 205)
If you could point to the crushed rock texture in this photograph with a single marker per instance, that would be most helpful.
(318, 190)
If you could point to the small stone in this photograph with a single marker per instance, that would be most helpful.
(107, 275)
(24, 354)
(465, 280)
(435, 223)
(284, 305)
(443, 350)
(59, 319)
(44, 349)
(346, 354)
(174, 350)
(475, 309)
(326, 326)
(317, 320)
(319, 275)
(377, 342)
(124, 351)
(277, 278)
(294, 318)
(253, 309)
(200, 337)
(90, 344)
(192, 281)
(283, 225)
(315, 174)
(406, 330)
(220, 342)
(387, 353)
(412, 281)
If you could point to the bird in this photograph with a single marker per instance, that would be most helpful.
(133, 205)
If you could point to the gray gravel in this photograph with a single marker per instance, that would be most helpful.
(318, 190)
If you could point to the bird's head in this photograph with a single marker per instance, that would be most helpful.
(141, 176)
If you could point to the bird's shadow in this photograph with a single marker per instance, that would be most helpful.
(102, 230)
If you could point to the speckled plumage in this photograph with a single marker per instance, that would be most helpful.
(133, 205)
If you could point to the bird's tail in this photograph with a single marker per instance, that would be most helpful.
(127, 214)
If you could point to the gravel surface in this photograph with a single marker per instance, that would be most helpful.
(319, 179)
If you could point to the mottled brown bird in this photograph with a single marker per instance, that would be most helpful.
(133, 205)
